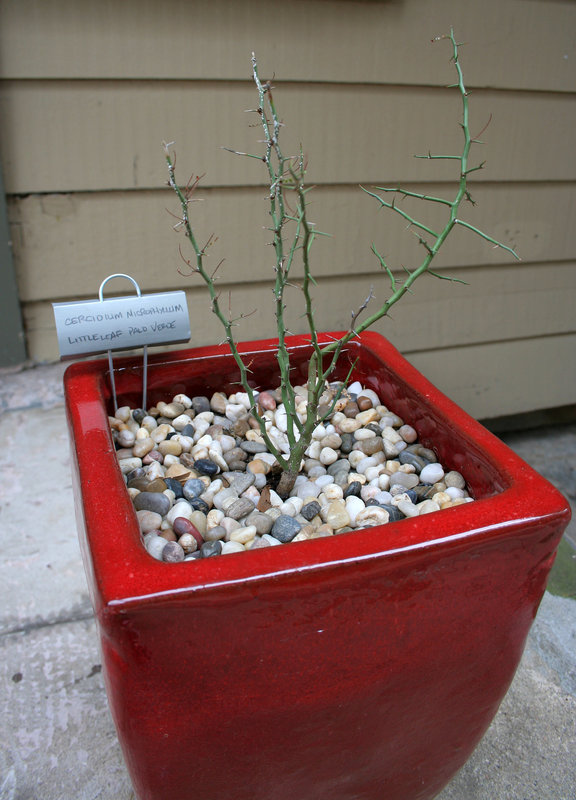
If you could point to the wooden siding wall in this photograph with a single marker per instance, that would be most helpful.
(90, 88)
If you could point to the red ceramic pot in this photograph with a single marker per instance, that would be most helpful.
(362, 666)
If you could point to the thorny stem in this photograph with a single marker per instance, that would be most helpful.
(453, 219)
(287, 174)
(184, 198)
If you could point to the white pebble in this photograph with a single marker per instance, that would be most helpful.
(368, 492)
(275, 499)
(243, 535)
(314, 450)
(227, 443)
(149, 423)
(126, 438)
(371, 516)
(355, 457)
(354, 505)
(148, 521)
(333, 492)
(232, 547)
(183, 399)
(271, 539)
(319, 432)
(154, 544)
(128, 464)
(427, 507)
(308, 489)
(328, 456)
(252, 493)
(406, 479)
(371, 395)
(384, 481)
(432, 473)
(180, 509)
(230, 525)
(181, 421)
(408, 508)
(243, 399)
(372, 473)
(123, 413)
(383, 497)
(364, 463)
(214, 517)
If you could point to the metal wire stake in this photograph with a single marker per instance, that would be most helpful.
(110, 361)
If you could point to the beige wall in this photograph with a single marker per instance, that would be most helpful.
(89, 90)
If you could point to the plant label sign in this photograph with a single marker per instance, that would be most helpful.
(87, 327)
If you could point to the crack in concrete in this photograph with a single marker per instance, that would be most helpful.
(29, 627)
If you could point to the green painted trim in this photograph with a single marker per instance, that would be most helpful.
(12, 339)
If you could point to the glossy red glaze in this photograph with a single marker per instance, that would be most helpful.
(360, 667)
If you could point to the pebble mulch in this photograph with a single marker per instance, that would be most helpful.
(201, 478)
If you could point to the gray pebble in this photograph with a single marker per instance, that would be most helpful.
(454, 479)
(253, 447)
(193, 488)
(342, 465)
(240, 508)
(200, 404)
(152, 501)
(155, 545)
(239, 481)
(262, 522)
(215, 534)
(408, 457)
(310, 510)
(285, 528)
(210, 549)
(348, 443)
(173, 553)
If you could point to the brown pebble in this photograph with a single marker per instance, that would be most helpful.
(351, 408)
(168, 534)
(370, 446)
(241, 427)
(146, 485)
(153, 455)
(180, 473)
(218, 403)
(364, 403)
(266, 401)
(182, 525)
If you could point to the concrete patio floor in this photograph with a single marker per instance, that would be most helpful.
(58, 739)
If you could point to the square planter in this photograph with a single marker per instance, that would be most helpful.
(360, 666)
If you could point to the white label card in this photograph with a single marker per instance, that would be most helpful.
(87, 327)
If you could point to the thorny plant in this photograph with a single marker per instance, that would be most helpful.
(288, 209)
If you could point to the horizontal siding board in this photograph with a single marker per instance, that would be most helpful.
(298, 39)
(489, 380)
(94, 135)
(437, 316)
(64, 245)
(504, 378)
